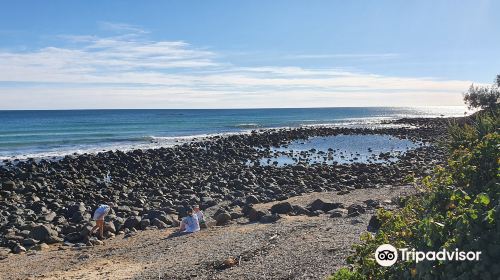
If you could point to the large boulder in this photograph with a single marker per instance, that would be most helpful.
(355, 210)
(44, 234)
(252, 214)
(223, 218)
(76, 207)
(269, 218)
(159, 224)
(132, 222)
(374, 224)
(118, 223)
(144, 224)
(109, 227)
(299, 210)
(73, 237)
(170, 220)
(80, 217)
(85, 231)
(324, 205)
(155, 214)
(282, 208)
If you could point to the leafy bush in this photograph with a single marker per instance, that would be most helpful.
(459, 207)
(483, 97)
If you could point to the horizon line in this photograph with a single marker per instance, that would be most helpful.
(232, 108)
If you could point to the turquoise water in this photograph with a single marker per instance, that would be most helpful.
(53, 133)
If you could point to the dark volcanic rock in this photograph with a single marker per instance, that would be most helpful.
(132, 222)
(73, 237)
(222, 218)
(269, 218)
(29, 242)
(282, 208)
(45, 234)
(156, 184)
(299, 210)
(324, 205)
(252, 199)
(109, 227)
(373, 224)
(9, 185)
(253, 214)
(159, 224)
(144, 223)
(337, 213)
(355, 210)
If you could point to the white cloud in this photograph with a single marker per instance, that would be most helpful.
(344, 56)
(121, 27)
(129, 70)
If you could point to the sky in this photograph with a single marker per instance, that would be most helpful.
(244, 54)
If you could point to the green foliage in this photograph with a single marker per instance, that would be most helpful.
(459, 208)
(467, 135)
(483, 97)
(345, 273)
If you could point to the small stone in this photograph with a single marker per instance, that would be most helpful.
(337, 213)
(18, 249)
(343, 192)
(9, 185)
(40, 247)
(29, 242)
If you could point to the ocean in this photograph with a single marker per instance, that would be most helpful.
(53, 133)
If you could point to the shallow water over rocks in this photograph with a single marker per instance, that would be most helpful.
(339, 149)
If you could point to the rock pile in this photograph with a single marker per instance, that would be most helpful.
(49, 201)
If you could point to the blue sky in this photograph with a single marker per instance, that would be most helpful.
(237, 54)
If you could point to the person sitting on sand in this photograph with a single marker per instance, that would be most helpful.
(201, 216)
(190, 224)
(99, 215)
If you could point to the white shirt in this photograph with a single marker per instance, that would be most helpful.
(200, 216)
(192, 224)
(101, 211)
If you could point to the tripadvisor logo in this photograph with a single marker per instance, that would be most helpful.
(387, 255)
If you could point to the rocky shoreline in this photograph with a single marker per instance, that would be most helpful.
(44, 202)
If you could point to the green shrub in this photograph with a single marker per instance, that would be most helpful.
(459, 208)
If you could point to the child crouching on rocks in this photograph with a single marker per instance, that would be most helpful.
(201, 216)
(99, 215)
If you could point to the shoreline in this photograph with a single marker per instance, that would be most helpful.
(158, 183)
(154, 141)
